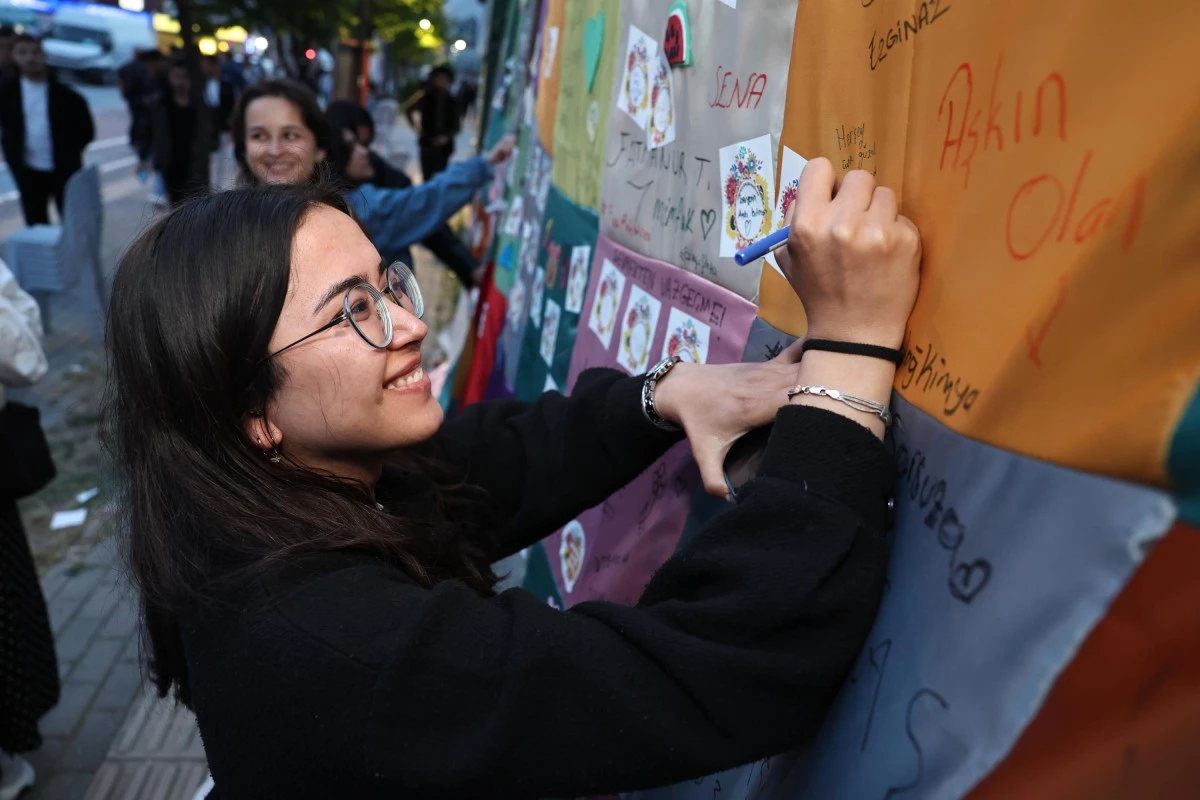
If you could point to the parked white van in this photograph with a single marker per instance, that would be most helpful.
(94, 41)
(26, 16)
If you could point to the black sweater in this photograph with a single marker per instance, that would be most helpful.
(338, 676)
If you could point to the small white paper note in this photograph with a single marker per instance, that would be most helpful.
(68, 519)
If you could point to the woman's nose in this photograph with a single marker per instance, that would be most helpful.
(406, 327)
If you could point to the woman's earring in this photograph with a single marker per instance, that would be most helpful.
(275, 457)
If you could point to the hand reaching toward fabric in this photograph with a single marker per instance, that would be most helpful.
(502, 150)
(716, 404)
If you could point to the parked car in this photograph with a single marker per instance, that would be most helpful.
(93, 41)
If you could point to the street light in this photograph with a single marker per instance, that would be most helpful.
(261, 43)
(460, 45)
(424, 24)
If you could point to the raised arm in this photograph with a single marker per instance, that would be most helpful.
(735, 651)
(398, 218)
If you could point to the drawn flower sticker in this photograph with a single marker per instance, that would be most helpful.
(687, 337)
(788, 196)
(577, 278)
(637, 78)
(603, 317)
(516, 306)
(634, 98)
(637, 332)
(572, 550)
(746, 193)
(512, 224)
(550, 332)
(790, 168)
(537, 289)
(662, 106)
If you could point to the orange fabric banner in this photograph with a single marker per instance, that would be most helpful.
(1052, 165)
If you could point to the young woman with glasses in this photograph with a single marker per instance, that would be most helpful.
(311, 540)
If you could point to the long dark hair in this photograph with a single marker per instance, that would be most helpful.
(194, 303)
(305, 101)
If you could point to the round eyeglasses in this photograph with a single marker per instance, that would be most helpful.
(366, 309)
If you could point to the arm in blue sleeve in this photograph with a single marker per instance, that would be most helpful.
(397, 218)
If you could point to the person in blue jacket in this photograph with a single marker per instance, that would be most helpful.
(281, 137)
(345, 116)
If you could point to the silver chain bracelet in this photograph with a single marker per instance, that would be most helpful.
(857, 403)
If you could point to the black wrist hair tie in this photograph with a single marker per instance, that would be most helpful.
(854, 349)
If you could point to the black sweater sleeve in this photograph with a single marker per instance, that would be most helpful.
(735, 651)
(544, 462)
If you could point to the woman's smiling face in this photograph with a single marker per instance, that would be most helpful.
(280, 148)
(344, 405)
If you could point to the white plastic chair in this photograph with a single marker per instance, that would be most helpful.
(48, 259)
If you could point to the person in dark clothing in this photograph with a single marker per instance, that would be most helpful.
(8, 67)
(438, 122)
(140, 83)
(468, 93)
(173, 120)
(29, 683)
(46, 127)
(220, 95)
(312, 541)
(233, 72)
(444, 243)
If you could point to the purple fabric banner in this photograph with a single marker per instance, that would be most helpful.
(637, 310)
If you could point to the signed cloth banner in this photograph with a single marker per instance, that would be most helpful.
(937, 697)
(1057, 249)
(589, 44)
(524, 292)
(662, 191)
(635, 308)
(1060, 238)
(564, 262)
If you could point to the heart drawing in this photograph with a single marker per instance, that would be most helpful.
(968, 580)
(593, 44)
(708, 218)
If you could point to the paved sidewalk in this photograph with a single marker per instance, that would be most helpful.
(103, 708)
(152, 748)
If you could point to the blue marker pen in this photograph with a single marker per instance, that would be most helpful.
(768, 244)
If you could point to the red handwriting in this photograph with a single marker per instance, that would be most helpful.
(1041, 209)
(729, 96)
(630, 226)
(1042, 205)
(962, 127)
(1034, 339)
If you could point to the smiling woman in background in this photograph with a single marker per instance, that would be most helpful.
(312, 541)
(280, 136)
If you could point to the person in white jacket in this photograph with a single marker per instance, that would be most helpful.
(29, 685)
